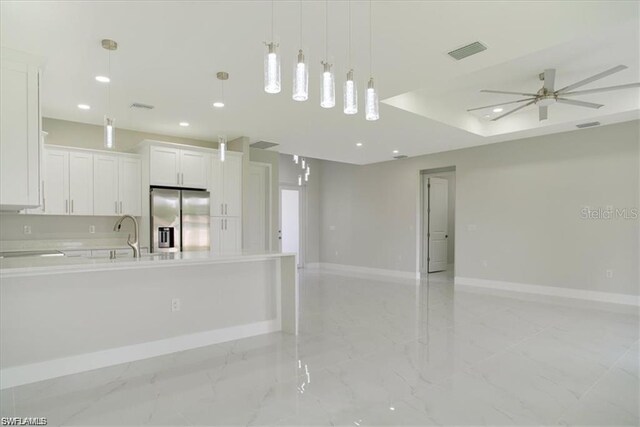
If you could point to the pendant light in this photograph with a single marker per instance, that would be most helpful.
(350, 88)
(300, 72)
(295, 159)
(328, 83)
(272, 63)
(222, 139)
(371, 96)
(109, 122)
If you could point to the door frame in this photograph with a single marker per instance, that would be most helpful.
(302, 219)
(269, 217)
(422, 215)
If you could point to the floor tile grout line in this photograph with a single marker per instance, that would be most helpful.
(598, 380)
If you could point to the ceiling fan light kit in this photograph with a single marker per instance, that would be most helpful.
(547, 96)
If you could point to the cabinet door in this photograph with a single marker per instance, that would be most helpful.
(56, 182)
(193, 169)
(105, 185)
(232, 183)
(81, 183)
(164, 167)
(230, 242)
(216, 225)
(215, 187)
(130, 187)
(19, 136)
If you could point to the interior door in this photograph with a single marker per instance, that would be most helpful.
(438, 212)
(130, 192)
(164, 167)
(232, 186)
(56, 182)
(105, 185)
(81, 183)
(193, 169)
(290, 221)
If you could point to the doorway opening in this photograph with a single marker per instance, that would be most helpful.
(438, 193)
(291, 222)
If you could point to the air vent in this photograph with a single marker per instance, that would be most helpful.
(143, 106)
(466, 51)
(587, 125)
(263, 144)
(401, 156)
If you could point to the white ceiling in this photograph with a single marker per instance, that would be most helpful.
(170, 51)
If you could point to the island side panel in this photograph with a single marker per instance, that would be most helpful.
(289, 294)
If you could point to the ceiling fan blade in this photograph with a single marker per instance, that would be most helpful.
(513, 111)
(507, 92)
(543, 111)
(549, 79)
(579, 103)
(602, 89)
(501, 104)
(592, 78)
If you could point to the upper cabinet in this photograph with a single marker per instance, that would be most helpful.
(19, 135)
(226, 186)
(178, 167)
(116, 179)
(68, 182)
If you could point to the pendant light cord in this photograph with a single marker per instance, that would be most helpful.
(326, 30)
(300, 24)
(350, 57)
(370, 41)
(109, 84)
(272, 19)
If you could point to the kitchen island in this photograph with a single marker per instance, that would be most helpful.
(138, 308)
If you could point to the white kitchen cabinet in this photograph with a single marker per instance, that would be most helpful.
(226, 186)
(56, 182)
(116, 185)
(81, 183)
(176, 167)
(19, 136)
(225, 235)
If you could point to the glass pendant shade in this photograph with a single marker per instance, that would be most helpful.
(303, 163)
(328, 87)
(300, 79)
(300, 180)
(295, 159)
(350, 95)
(222, 147)
(371, 102)
(109, 132)
(272, 69)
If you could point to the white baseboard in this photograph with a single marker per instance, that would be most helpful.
(550, 290)
(368, 270)
(26, 374)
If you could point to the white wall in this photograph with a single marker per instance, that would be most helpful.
(518, 207)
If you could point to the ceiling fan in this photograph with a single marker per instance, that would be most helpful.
(547, 95)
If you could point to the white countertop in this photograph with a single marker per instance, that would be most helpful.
(28, 266)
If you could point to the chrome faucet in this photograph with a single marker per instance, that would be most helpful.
(135, 245)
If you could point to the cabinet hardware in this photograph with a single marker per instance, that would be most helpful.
(225, 224)
(66, 206)
(116, 203)
(71, 205)
(120, 206)
(221, 209)
(225, 209)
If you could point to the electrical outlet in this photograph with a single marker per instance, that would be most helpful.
(175, 304)
(92, 229)
(27, 229)
(609, 274)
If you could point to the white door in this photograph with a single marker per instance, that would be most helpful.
(216, 205)
(193, 169)
(130, 187)
(230, 242)
(256, 228)
(105, 185)
(165, 166)
(290, 221)
(81, 183)
(232, 186)
(56, 182)
(438, 211)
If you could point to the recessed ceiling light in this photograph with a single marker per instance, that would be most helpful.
(184, 124)
(358, 144)
(103, 79)
(395, 151)
(497, 110)
(487, 116)
(84, 106)
(218, 104)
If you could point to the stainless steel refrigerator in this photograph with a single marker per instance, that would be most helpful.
(179, 220)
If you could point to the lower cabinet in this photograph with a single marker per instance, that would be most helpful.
(225, 235)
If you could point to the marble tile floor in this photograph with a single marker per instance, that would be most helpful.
(374, 351)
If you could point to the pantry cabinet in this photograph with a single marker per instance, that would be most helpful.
(226, 186)
(225, 235)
